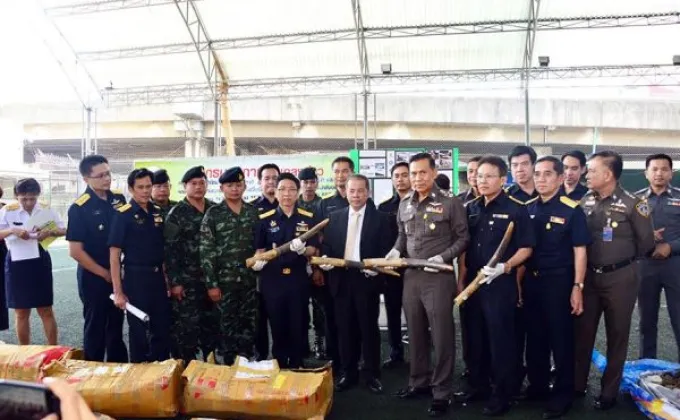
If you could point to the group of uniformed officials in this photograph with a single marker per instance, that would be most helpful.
(575, 252)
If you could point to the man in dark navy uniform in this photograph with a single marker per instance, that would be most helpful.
(267, 175)
(521, 160)
(662, 269)
(553, 287)
(284, 281)
(574, 167)
(87, 233)
(393, 286)
(342, 167)
(137, 235)
(490, 311)
(471, 173)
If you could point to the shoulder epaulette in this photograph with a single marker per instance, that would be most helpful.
(641, 192)
(506, 189)
(119, 192)
(156, 207)
(568, 201)
(12, 207)
(252, 201)
(329, 195)
(82, 199)
(124, 208)
(472, 201)
(629, 194)
(531, 200)
(267, 214)
(305, 212)
(408, 196)
(385, 201)
(516, 200)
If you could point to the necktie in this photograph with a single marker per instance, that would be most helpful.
(351, 235)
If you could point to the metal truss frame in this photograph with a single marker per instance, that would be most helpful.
(534, 6)
(641, 75)
(99, 6)
(364, 71)
(370, 33)
(200, 39)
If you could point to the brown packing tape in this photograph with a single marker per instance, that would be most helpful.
(212, 391)
(24, 363)
(125, 389)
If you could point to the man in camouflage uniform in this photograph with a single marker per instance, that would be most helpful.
(226, 241)
(309, 201)
(160, 191)
(193, 314)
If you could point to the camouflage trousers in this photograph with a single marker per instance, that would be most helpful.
(238, 312)
(195, 323)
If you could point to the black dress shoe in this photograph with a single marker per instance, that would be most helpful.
(374, 385)
(392, 363)
(345, 383)
(604, 404)
(496, 409)
(411, 392)
(438, 408)
(472, 395)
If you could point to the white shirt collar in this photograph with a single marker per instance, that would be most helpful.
(36, 208)
(361, 211)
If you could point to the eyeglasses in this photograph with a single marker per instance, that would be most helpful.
(102, 175)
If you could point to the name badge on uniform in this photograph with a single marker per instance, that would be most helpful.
(674, 202)
(435, 208)
(138, 220)
(273, 227)
(158, 219)
(558, 220)
(607, 234)
(302, 227)
(500, 216)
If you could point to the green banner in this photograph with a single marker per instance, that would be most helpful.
(215, 166)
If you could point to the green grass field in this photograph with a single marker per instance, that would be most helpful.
(359, 403)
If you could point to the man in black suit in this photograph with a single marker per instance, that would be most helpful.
(355, 233)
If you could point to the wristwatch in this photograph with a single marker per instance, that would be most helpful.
(579, 285)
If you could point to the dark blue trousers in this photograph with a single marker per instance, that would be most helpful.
(103, 329)
(145, 288)
(550, 330)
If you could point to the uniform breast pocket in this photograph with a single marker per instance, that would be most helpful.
(435, 224)
(620, 225)
(275, 238)
(409, 222)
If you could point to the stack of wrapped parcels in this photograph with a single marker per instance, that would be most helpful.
(256, 391)
(244, 390)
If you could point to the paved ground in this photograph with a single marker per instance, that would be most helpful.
(357, 404)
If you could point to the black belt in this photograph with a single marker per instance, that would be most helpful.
(601, 269)
(154, 268)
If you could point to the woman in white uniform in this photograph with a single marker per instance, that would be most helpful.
(28, 267)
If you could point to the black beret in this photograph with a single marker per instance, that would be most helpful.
(234, 174)
(160, 177)
(195, 172)
(443, 182)
(307, 174)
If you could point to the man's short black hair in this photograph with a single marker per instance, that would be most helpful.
(522, 150)
(27, 186)
(89, 162)
(475, 159)
(265, 167)
(657, 156)
(612, 160)
(496, 161)
(361, 177)
(578, 155)
(558, 166)
(290, 177)
(423, 156)
(139, 174)
(443, 182)
(344, 159)
(398, 165)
